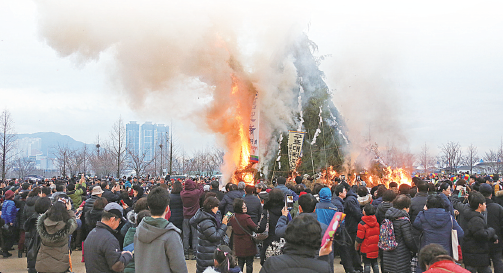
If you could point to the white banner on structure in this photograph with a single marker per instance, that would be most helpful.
(254, 130)
(295, 140)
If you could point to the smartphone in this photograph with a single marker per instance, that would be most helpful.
(289, 201)
(229, 215)
(343, 177)
(79, 213)
(358, 178)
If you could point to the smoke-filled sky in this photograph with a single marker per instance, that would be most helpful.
(404, 73)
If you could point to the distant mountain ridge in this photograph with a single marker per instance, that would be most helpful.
(51, 140)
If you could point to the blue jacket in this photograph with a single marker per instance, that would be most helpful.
(436, 225)
(352, 211)
(9, 211)
(325, 210)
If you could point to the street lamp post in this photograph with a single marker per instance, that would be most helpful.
(160, 146)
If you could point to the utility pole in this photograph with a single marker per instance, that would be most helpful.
(160, 146)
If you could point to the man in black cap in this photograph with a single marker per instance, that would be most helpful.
(495, 220)
(101, 248)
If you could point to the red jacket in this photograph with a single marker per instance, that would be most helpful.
(368, 236)
(446, 266)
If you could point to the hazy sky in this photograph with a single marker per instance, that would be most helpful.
(436, 68)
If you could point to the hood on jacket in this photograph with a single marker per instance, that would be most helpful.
(470, 213)
(325, 195)
(152, 228)
(437, 217)
(370, 220)
(394, 213)
(351, 193)
(190, 185)
(364, 200)
(54, 230)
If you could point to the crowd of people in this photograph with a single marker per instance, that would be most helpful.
(448, 224)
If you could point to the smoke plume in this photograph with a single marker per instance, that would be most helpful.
(170, 52)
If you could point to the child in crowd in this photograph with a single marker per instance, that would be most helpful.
(367, 239)
(224, 261)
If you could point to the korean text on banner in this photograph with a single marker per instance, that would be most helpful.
(295, 140)
(254, 131)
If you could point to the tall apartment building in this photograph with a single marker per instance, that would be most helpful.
(146, 138)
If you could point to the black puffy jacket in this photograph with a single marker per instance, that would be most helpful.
(417, 205)
(89, 203)
(176, 207)
(296, 260)
(495, 220)
(92, 217)
(381, 211)
(398, 259)
(273, 209)
(475, 246)
(210, 236)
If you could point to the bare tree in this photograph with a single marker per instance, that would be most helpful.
(7, 141)
(62, 155)
(23, 166)
(118, 145)
(426, 160)
(491, 159)
(137, 161)
(471, 157)
(451, 153)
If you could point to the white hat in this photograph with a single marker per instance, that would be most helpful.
(97, 190)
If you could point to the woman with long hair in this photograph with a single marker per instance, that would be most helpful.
(55, 227)
(211, 231)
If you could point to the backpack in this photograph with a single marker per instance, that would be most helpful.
(387, 240)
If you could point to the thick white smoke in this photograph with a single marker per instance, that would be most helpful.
(170, 52)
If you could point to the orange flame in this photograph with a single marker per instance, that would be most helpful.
(241, 155)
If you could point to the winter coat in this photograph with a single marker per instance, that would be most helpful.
(53, 253)
(102, 251)
(364, 200)
(129, 239)
(76, 195)
(325, 212)
(352, 211)
(368, 236)
(9, 211)
(110, 196)
(28, 210)
(495, 220)
(158, 247)
(436, 225)
(210, 236)
(32, 243)
(190, 197)
(398, 259)
(377, 201)
(381, 211)
(296, 259)
(89, 203)
(338, 202)
(220, 194)
(476, 241)
(417, 205)
(92, 217)
(244, 246)
(176, 207)
(445, 266)
(254, 207)
(226, 203)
